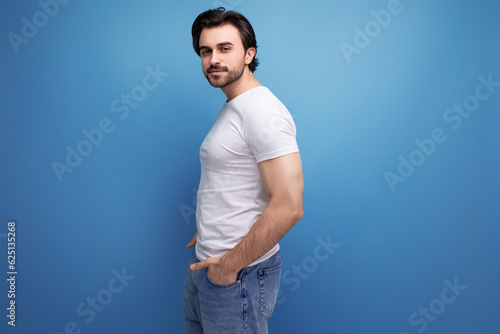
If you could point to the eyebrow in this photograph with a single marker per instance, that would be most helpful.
(219, 45)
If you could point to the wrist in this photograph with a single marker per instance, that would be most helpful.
(229, 264)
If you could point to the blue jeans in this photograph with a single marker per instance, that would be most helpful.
(241, 307)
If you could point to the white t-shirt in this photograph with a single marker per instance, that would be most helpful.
(253, 127)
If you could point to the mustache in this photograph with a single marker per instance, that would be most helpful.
(216, 68)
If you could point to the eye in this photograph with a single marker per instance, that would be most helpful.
(205, 52)
(226, 49)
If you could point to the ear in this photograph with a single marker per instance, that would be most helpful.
(250, 55)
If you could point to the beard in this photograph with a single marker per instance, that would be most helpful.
(223, 79)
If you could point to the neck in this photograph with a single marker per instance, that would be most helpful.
(246, 82)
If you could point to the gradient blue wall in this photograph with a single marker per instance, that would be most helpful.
(399, 134)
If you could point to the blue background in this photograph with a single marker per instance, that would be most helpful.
(129, 204)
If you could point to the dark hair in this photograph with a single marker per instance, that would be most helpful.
(219, 17)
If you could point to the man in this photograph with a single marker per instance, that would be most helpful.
(250, 192)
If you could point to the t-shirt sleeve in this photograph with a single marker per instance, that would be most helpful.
(269, 131)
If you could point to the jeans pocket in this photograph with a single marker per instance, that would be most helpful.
(269, 284)
(221, 285)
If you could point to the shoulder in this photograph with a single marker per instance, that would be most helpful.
(261, 101)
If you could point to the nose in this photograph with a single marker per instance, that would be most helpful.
(214, 59)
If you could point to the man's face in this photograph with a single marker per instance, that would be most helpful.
(222, 55)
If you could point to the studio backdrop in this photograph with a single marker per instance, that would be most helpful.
(397, 107)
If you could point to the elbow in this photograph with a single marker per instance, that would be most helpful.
(297, 214)
(296, 209)
(290, 208)
(300, 214)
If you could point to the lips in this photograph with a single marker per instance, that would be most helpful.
(216, 71)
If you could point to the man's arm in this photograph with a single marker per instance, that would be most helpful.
(283, 181)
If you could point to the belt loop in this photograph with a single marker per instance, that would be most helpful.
(241, 274)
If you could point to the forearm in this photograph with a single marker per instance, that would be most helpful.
(274, 222)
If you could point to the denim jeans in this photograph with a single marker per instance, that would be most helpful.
(241, 307)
